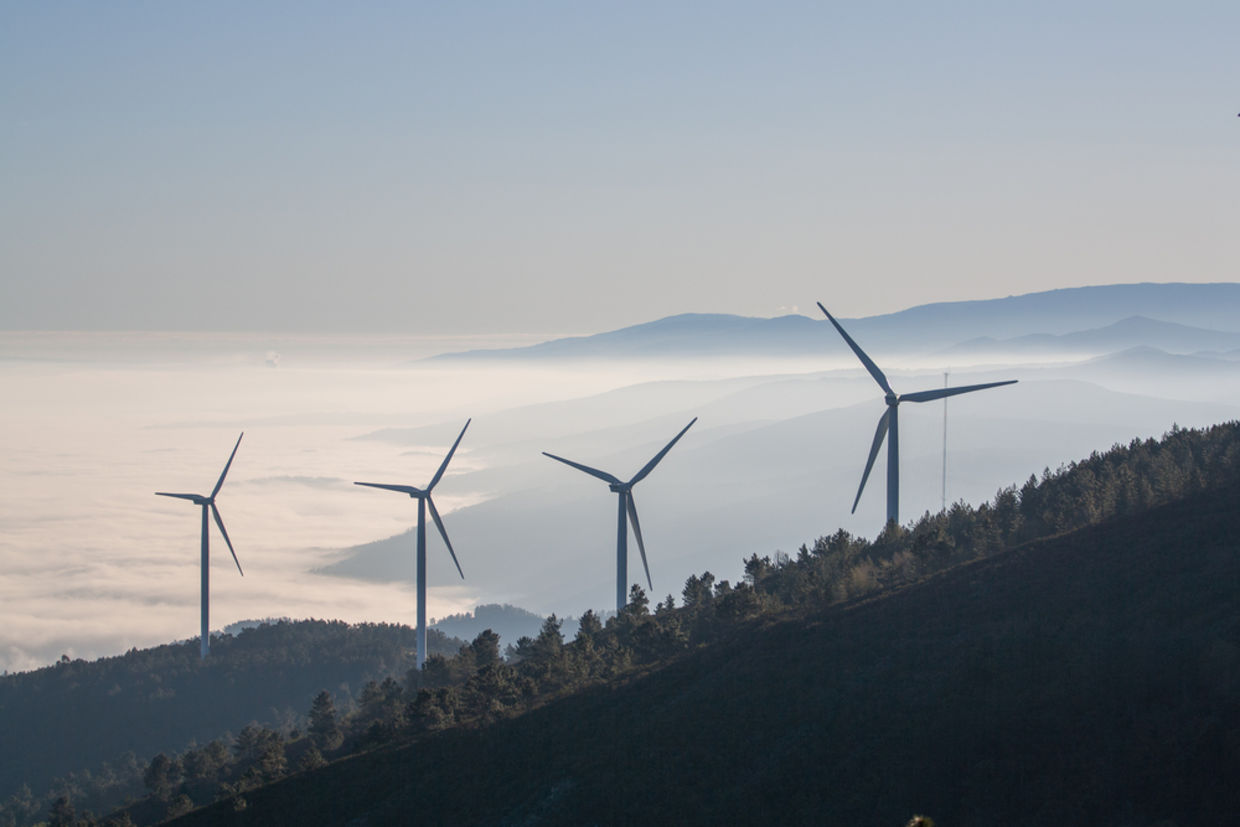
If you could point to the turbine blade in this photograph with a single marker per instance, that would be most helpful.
(641, 475)
(879, 436)
(940, 393)
(178, 496)
(443, 533)
(215, 512)
(227, 465)
(637, 532)
(594, 472)
(444, 465)
(865, 360)
(403, 489)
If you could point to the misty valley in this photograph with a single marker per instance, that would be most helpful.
(1047, 632)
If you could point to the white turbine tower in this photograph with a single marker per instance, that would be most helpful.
(208, 503)
(889, 422)
(624, 490)
(423, 496)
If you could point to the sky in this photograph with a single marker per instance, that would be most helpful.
(543, 167)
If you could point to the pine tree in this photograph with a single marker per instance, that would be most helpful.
(323, 726)
(161, 776)
(639, 604)
(62, 813)
(485, 650)
(589, 627)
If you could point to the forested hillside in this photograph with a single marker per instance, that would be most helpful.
(86, 722)
(1087, 676)
(1066, 653)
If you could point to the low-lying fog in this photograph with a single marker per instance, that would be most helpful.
(92, 563)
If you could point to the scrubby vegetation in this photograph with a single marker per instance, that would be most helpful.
(1125, 481)
(994, 640)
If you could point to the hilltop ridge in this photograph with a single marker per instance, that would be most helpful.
(1039, 658)
(1050, 684)
(1043, 658)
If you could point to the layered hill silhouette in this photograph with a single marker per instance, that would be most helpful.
(1067, 654)
(1204, 313)
(1134, 331)
(767, 469)
(511, 623)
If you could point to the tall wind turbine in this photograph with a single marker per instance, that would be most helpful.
(423, 496)
(208, 502)
(889, 421)
(624, 490)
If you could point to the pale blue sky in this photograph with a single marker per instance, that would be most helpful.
(550, 167)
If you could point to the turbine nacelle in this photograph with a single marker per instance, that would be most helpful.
(196, 499)
(414, 493)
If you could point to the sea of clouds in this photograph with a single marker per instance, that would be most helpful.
(92, 563)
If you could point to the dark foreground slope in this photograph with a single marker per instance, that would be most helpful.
(1092, 678)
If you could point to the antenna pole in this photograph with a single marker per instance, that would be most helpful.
(945, 444)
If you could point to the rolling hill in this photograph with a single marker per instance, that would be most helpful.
(73, 716)
(1134, 331)
(764, 468)
(1087, 675)
(922, 329)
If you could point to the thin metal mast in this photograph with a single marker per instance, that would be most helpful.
(945, 444)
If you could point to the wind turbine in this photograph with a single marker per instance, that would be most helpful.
(208, 503)
(889, 421)
(423, 496)
(625, 499)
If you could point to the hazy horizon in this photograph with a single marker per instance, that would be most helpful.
(95, 564)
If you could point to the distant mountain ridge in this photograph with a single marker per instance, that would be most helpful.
(923, 329)
(687, 334)
(1134, 331)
